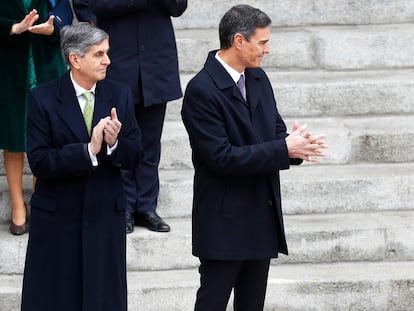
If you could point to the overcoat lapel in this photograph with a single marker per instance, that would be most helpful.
(252, 89)
(68, 109)
(221, 77)
(238, 95)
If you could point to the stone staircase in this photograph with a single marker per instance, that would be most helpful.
(345, 68)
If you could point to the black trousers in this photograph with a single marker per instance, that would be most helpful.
(142, 184)
(218, 278)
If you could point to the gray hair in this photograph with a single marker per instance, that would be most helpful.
(242, 19)
(79, 37)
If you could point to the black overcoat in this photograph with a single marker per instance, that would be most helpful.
(144, 52)
(76, 250)
(238, 149)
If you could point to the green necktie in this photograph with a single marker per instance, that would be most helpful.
(88, 112)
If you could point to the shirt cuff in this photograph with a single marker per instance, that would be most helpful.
(111, 150)
(92, 156)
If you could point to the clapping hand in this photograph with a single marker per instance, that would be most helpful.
(301, 144)
(97, 136)
(26, 24)
(46, 28)
(112, 128)
(106, 130)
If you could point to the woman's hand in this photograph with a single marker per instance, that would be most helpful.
(25, 24)
(46, 28)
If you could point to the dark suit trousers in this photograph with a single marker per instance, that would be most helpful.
(142, 184)
(218, 278)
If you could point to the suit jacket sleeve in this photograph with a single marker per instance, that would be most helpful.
(281, 133)
(174, 8)
(117, 7)
(226, 154)
(82, 11)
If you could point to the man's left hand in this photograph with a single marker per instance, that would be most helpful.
(112, 128)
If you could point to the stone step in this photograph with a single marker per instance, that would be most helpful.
(313, 188)
(378, 139)
(5, 204)
(311, 238)
(207, 14)
(370, 286)
(324, 189)
(370, 47)
(319, 93)
(316, 238)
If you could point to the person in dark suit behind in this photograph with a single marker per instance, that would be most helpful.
(239, 144)
(76, 253)
(144, 56)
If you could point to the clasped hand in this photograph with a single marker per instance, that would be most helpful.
(107, 131)
(26, 24)
(301, 144)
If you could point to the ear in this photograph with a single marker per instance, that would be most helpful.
(74, 60)
(238, 41)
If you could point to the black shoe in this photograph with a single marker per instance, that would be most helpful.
(129, 222)
(151, 221)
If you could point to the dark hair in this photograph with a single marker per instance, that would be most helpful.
(242, 19)
(79, 37)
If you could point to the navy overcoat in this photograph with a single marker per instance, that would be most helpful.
(76, 250)
(238, 149)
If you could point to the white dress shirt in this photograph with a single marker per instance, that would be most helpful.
(235, 75)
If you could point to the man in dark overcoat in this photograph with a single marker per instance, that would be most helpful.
(81, 133)
(144, 56)
(239, 143)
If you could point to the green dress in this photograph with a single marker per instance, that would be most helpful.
(31, 70)
(28, 60)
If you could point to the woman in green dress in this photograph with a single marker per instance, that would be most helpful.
(30, 54)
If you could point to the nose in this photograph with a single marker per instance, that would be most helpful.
(106, 59)
(266, 48)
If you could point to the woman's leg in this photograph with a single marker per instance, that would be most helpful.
(13, 164)
(34, 183)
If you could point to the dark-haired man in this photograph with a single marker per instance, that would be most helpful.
(239, 144)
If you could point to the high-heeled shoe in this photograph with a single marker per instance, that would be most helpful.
(18, 230)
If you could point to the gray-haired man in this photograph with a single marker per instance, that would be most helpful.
(81, 132)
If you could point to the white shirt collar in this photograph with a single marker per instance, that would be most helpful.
(80, 90)
(235, 75)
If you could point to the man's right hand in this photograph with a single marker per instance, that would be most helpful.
(97, 136)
